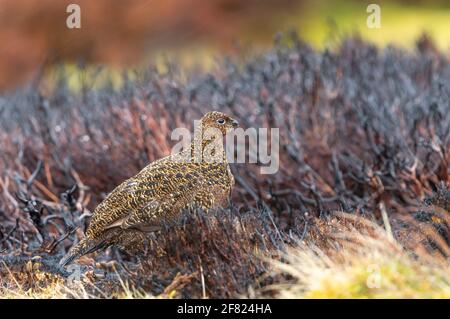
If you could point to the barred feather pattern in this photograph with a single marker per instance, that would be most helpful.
(157, 195)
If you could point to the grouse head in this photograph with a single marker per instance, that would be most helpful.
(219, 120)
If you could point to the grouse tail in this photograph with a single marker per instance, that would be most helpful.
(85, 246)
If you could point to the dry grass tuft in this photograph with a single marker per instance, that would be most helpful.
(360, 264)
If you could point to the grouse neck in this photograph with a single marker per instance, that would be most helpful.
(207, 149)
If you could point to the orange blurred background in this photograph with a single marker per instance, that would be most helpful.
(33, 32)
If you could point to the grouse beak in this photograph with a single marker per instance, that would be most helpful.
(235, 123)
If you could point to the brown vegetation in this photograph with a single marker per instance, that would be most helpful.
(362, 130)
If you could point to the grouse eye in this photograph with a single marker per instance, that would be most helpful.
(221, 121)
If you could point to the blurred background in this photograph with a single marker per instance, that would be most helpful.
(364, 129)
(125, 34)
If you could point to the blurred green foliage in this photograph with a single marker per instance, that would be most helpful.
(401, 22)
(319, 23)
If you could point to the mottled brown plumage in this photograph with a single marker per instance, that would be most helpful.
(159, 192)
(441, 198)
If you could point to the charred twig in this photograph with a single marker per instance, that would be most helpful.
(247, 187)
(68, 198)
(55, 243)
(35, 210)
(6, 238)
(34, 175)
